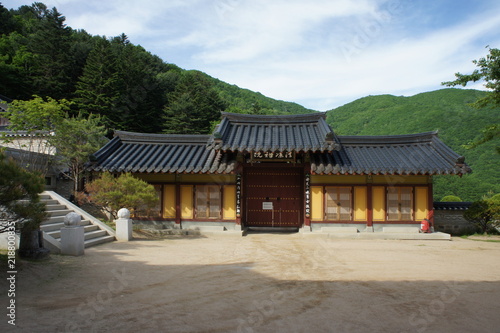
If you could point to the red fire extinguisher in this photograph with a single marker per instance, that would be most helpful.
(425, 225)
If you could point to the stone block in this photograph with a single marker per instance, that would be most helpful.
(402, 230)
(349, 230)
(73, 241)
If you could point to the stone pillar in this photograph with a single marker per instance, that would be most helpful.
(72, 236)
(123, 225)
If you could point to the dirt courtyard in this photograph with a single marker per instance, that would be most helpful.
(262, 283)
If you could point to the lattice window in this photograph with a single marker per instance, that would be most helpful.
(338, 205)
(208, 202)
(400, 204)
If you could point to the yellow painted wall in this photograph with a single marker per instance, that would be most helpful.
(168, 201)
(421, 202)
(360, 203)
(378, 203)
(187, 201)
(190, 178)
(321, 179)
(229, 204)
(394, 179)
(317, 203)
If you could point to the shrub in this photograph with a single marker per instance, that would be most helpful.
(451, 198)
(126, 191)
(484, 214)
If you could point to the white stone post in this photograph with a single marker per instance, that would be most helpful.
(72, 235)
(123, 225)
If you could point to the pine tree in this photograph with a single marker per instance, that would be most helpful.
(98, 89)
(193, 106)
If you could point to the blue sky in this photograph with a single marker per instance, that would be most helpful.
(318, 53)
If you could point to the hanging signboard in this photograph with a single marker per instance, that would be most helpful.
(274, 156)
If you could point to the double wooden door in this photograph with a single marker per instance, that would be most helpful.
(273, 196)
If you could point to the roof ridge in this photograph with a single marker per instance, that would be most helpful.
(388, 139)
(162, 138)
(272, 119)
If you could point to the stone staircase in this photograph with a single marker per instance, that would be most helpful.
(96, 232)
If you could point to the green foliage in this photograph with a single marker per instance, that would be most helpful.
(451, 198)
(488, 71)
(484, 214)
(496, 197)
(97, 88)
(75, 139)
(125, 191)
(194, 105)
(19, 197)
(36, 114)
(447, 111)
(246, 101)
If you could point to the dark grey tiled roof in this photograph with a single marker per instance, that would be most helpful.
(3, 106)
(160, 153)
(441, 205)
(415, 154)
(243, 132)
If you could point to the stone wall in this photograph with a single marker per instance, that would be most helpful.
(452, 222)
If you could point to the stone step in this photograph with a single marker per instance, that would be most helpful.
(352, 230)
(95, 234)
(405, 230)
(50, 202)
(60, 212)
(87, 228)
(53, 207)
(48, 227)
(53, 219)
(45, 197)
(59, 220)
(98, 240)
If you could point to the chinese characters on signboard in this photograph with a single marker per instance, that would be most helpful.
(273, 155)
(308, 195)
(238, 195)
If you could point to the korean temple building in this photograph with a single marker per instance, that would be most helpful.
(284, 171)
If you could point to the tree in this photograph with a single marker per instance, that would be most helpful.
(20, 205)
(97, 90)
(35, 120)
(489, 71)
(49, 40)
(451, 198)
(193, 106)
(125, 191)
(75, 139)
(484, 214)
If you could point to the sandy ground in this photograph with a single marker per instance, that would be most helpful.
(262, 283)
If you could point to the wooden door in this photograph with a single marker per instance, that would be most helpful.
(273, 197)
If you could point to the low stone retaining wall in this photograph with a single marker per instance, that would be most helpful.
(449, 218)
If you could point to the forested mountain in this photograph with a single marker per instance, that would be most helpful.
(446, 111)
(133, 89)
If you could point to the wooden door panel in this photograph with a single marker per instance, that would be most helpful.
(281, 187)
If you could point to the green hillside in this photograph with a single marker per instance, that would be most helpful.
(446, 111)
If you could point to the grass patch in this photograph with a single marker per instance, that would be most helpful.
(482, 238)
